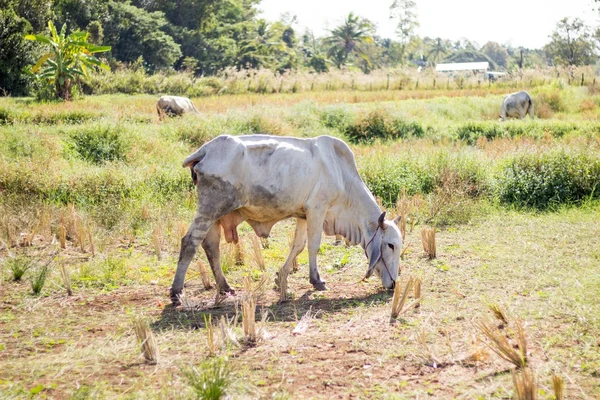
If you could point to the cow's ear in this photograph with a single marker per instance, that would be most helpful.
(397, 219)
(381, 221)
(374, 254)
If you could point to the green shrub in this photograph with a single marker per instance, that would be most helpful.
(6, 117)
(545, 180)
(472, 131)
(99, 144)
(39, 279)
(337, 118)
(379, 125)
(210, 380)
(18, 266)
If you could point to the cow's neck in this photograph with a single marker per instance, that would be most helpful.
(357, 219)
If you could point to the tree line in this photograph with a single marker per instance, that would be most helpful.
(204, 37)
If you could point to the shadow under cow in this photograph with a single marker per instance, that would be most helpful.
(190, 318)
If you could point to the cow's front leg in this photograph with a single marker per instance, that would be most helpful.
(297, 247)
(189, 243)
(213, 253)
(314, 221)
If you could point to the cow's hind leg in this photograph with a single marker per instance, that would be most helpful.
(213, 253)
(189, 243)
(297, 247)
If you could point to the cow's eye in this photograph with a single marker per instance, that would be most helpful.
(391, 246)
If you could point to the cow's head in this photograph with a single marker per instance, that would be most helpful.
(384, 251)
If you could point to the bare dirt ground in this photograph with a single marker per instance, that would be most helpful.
(544, 269)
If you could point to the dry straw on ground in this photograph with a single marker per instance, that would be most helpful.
(146, 338)
(403, 207)
(525, 384)
(428, 240)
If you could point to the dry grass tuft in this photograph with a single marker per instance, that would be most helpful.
(498, 313)
(400, 296)
(227, 332)
(403, 207)
(210, 335)
(239, 253)
(525, 384)
(185, 302)
(249, 312)
(62, 236)
(558, 383)
(158, 241)
(428, 240)
(259, 260)
(146, 338)
(501, 345)
(204, 274)
(64, 275)
(417, 291)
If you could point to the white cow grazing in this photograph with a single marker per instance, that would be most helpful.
(264, 179)
(174, 106)
(517, 105)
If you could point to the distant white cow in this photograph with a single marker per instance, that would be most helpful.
(517, 105)
(265, 179)
(174, 106)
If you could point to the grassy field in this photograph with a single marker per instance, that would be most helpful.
(94, 188)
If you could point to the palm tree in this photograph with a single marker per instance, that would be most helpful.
(349, 38)
(69, 56)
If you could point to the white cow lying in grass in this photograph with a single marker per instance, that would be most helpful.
(517, 105)
(264, 179)
(174, 106)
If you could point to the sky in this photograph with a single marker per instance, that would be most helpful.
(526, 23)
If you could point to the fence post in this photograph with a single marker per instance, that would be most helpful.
(387, 86)
(434, 83)
(582, 78)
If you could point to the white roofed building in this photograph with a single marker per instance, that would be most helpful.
(467, 66)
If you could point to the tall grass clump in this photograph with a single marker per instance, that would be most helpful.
(544, 180)
(379, 125)
(146, 339)
(38, 280)
(18, 266)
(210, 380)
(99, 144)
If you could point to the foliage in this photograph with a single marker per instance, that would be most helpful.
(404, 12)
(99, 144)
(15, 52)
(545, 180)
(38, 280)
(69, 56)
(378, 125)
(571, 44)
(349, 38)
(135, 32)
(18, 266)
(497, 53)
(210, 380)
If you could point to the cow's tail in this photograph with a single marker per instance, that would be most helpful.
(192, 160)
(530, 111)
(159, 110)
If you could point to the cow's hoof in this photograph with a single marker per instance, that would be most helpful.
(320, 286)
(174, 298)
(227, 290)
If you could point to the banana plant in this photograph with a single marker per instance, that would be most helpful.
(69, 56)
